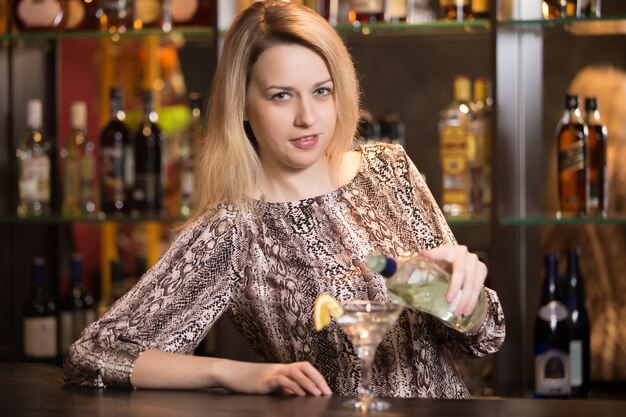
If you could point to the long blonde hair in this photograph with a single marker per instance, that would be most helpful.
(229, 166)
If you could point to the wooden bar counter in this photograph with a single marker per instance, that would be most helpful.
(38, 390)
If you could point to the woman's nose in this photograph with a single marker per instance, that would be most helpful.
(306, 114)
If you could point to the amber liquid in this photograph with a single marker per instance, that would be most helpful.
(573, 169)
(598, 179)
(554, 9)
(455, 9)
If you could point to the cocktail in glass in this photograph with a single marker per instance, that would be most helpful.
(365, 323)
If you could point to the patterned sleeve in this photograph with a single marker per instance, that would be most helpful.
(490, 337)
(171, 308)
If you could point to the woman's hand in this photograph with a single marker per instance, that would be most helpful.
(468, 274)
(299, 378)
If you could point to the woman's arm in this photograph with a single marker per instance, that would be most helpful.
(163, 370)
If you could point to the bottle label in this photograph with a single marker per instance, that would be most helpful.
(367, 6)
(184, 10)
(39, 13)
(75, 13)
(40, 337)
(34, 182)
(457, 146)
(552, 373)
(129, 166)
(576, 358)
(553, 311)
(572, 158)
(112, 173)
(480, 6)
(397, 8)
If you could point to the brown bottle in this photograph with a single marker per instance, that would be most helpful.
(458, 10)
(598, 174)
(554, 9)
(573, 168)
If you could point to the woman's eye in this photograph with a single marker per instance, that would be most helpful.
(280, 96)
(324, 91)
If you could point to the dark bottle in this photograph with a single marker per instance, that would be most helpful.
(39, 319)
(117, 15)
(117, 160)
(598, 171)
(189, 149)
(579, 345)
(368, 128)
(391, 128)
(591, 8)
(148, 191)
(552, 337)
(77, 310)
(573, 169)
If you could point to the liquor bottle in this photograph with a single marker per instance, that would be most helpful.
(117, 159)
(148, 191)
(368, 128)
(117, 15)
(33, 155)
(190, 142)
(39, 319)
(420, 283)
(552, 337)
(83, 15)
(458, 10)
(598, 172)
(579, 345)
(391, 128)
(191, 12)
(457, 145)
(591, 8)
(77, 310)
(480, 9)
(554, 9)
(396, 11)
(78, 165)
(572, 8)
(420, 11)
(367, 11)
(481, 180)
(32, 15)
(153, 14)
(573, 169)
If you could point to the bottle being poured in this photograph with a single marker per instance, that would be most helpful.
(420, 283)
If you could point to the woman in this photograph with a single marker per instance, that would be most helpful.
(287, 210)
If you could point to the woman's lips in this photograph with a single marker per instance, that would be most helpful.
(305, 142)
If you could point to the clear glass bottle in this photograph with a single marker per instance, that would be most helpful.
(420, 283)
(458, 151)
(78, 165)
(598, 170)
(34, 162)
(481, 178)
(190, 142)
(39, 319)
(573, 170)
(552, 337)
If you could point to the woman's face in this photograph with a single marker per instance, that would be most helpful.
(291, 108)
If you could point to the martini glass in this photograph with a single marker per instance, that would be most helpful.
(365, 323)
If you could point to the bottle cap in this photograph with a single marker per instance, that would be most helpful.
(591, 104)
(571, 101)
(462, 88)
(377, 262)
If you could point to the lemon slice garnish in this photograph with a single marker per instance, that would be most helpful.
(325, 307)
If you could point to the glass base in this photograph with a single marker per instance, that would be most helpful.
(367, 404)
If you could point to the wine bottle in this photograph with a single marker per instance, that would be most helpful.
(190, 142)
(34, 161)
(77, 310)
(579, 345)
(39, 319)
(36, 15)
(573, 169)
(552, 337)
(117, 159)
(78, 165)
(419, 283)
(598, 171)
(458, 151)
(117, 15)
(148, 191)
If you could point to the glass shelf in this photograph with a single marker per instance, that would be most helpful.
(607, 25)
(57, 220)
(468, 221)
(552, 218)
(190, 32)
(436, 27)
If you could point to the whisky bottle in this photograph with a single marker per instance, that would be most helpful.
(39, 319)
(458, 10)
(148, 190)
(29, 15)
(481, 180)
(77, 310)
(572, 8)
(367, 11)
(573, 169)
(78, 165)
(396, 11)
(420, 283)
(117, 160)
(480, 9)
(552, 337)
(190, 142)
(598, 172)
(554, 9)
(458, 151)
(34, 162)
(579, 345)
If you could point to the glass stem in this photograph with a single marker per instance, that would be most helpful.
(365, 356)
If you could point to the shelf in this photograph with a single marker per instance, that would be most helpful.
(56, 220)
(608, 25)
(543, 219)
(437, 27)
(190, 32)
(468, 221)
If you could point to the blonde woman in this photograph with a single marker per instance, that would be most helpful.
(287, 210)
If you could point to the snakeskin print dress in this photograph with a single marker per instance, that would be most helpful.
(265, 266)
